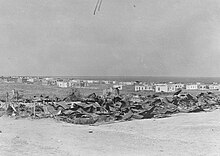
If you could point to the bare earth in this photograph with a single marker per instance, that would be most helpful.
(182, 134)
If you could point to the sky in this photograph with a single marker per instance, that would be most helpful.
(124, 38)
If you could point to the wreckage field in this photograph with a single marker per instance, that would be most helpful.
(93, 109)
(109, 124)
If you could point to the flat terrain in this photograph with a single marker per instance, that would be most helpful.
(30, 90)
(181, 134)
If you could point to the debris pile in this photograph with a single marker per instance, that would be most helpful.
(101, 109)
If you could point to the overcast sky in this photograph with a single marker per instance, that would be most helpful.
(126, 37)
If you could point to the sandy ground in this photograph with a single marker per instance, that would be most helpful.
(182, 134)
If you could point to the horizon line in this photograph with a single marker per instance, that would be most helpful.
(108, 76)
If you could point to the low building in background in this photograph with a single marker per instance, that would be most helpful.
(49, 82)
(74, 83)
(62, 84)
(179, 86)
(171, 87)
(120, 87)
(10, 79)
(90, 81)
(105, 82)
(214, 86)
(165, 87)
(161, 88)
(96, 82)
(191, 86)
(143, 87)
(22, 80)
(31, 80)
(78, 83)
(203, 87)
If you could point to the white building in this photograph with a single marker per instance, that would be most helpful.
(161, 88)
(62, 84)
(191, 86)
(78, 83)
(213, 86)
(179, 85)
(73, 83)
(105, 82)
(90, 81)
(118, 86)
(165, 87)
(171, 87)
(144, 87)
(31, 80)
(202, 87)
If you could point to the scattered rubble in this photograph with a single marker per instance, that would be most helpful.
(106, 109)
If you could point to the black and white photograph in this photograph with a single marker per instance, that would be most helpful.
(109, 77)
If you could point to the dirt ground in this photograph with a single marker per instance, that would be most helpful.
(181, 134)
